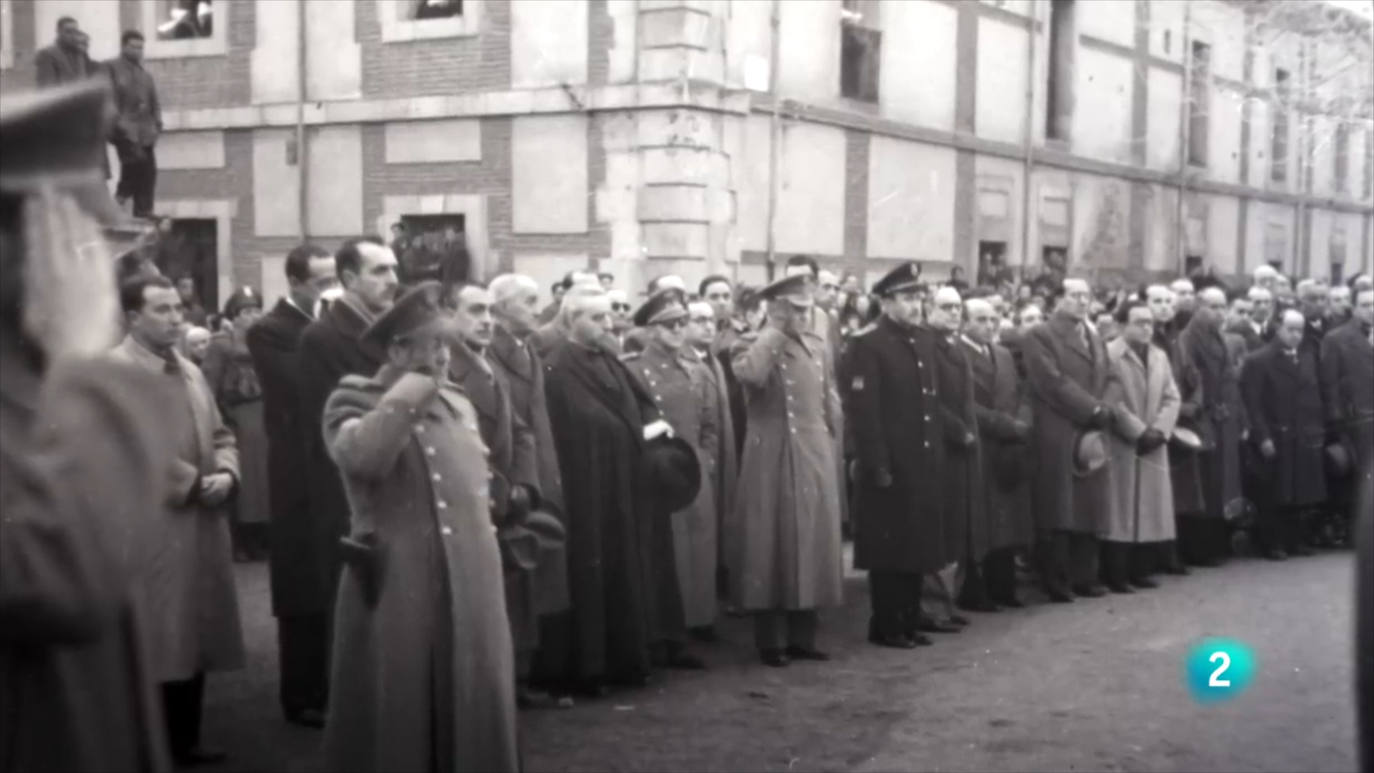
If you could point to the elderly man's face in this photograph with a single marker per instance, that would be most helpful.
(1161, 302)
(904, 306)
(1261, 306)
(1185, 297)
(519, 312)
(1339, 299)
(947, 310)
(1290, 330)
(593, 322)
(1078, 297)
(1313, 300)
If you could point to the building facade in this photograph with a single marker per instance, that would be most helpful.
(703, 136)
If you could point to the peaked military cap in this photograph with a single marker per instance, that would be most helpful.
(55, 139)
(243, 298)
(418, 310)
(663, 306)
(795, 289)
(904, 277)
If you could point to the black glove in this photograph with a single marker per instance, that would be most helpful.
(1150, 440)
(882, 478)
(521, 500)
(1100, 418)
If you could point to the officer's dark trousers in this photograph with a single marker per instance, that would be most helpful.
(304, 643)
(896, 602)
(1126, 562)
(1203, 540)
(777, 629)
(181, 706)
(1068, 560)
(137, 176)
(999, 575)
(1282, 528)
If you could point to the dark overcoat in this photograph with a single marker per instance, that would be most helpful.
(891, 396)
(273, 342)
(1067, 381)
(1004, 418)
(727, 461)
(1252, 338)
(84, 450)
(621, 568)
(330, 348)
(966, 527)
(424, 679)
(1348, 388)
(731, 330)
(1221, 416)
(1284, 404)
(523, 373)
(1185, 465)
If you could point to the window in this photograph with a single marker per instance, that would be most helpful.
(190, 249)
(1168, 41)
(1368, 163)
(180, 28)
(861, 43)
(1059, 86)
(992, 262)
(429, 241)
(6, 35)
(1342, 156)
(403, 20)
(1278, 147)
(1199, 100)
(1336, 245)
(1275, 244)
(1192, 264)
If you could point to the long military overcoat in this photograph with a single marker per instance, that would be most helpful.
(1221, 417)
(891, 397)
(425, 679)
(1143, 396)
(727, 458)
(1284, 405)
(1004, 418)
(1067, 379)
(966, 526)
(786, 538)
(682, 390)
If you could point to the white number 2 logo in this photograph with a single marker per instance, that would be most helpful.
(1225, 659)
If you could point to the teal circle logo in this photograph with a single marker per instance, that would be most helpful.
(1218, 670)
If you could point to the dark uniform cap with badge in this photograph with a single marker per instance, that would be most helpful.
(663, 306)
(904, 277)
(795, 289)
(417, 311)
(243, 298)
(55, 139)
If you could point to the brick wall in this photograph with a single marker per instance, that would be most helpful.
(440, 66)
(204, 81)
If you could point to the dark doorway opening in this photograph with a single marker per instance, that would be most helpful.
(1056, 262)
(992, 262)
(1192, 264)
(190, 247)
(429, 241)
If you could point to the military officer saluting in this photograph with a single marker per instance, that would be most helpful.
(683, 391)
(891, 396)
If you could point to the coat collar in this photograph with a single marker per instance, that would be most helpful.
(470, 372)
(149, 360)
(1066, 327)
(582, 362)
(514, 354)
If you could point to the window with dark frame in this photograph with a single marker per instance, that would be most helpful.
(430, 241)
(1059, 95)
(1341, 148)
(861, 46)
(1278, 143)
(1199, 100)
(185, 19)
(422, 10)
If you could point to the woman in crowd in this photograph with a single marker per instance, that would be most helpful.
(229, 370)
(858, 310)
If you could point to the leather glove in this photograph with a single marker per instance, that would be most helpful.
(1150, 440)
(520, 501)
(1100, 418)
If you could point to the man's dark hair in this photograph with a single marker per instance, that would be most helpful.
(298, 260)
(132, 290)
(130, 35)
(606, 275)
(748, 300)
(348, 258)
(64, 21)
(808, 261)
(710, 280)
(1123, 311)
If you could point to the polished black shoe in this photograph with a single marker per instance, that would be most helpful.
(1011, 602)
(199, 756)
(1276, 554)
(895, 641)
(1178, 569)
(1090, 591)
(981, 606)
(805, 653)
(958, 620)
(1303, 550)
(705, 634)
(1120, 587)
(773, 658)
(1144, 582)
(312, 718)
(684, 661)
(931, 625)
(1059, 595)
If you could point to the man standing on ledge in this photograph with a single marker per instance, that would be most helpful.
(137, 127)
(788, 517)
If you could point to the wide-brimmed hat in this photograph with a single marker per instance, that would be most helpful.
(1089, 453)
(673, 471)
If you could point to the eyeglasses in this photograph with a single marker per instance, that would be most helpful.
(674, 324)
(620, 307)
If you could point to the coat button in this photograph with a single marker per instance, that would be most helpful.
(441, 504)
(430, 450)
(436, 477)
(446, 531)
(927, 444)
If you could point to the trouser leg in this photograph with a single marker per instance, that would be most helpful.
(182, 702)
(303, 662)
(1053, 548)
(770, 630)
(801, 628)
(973, 591)
(1114, 563)
(886, 603)
(913, 586)
(1141, 561)
(146, 183)
(999, 574)
(1083, 558)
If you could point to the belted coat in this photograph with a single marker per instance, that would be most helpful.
(891, 394)
(786, 529)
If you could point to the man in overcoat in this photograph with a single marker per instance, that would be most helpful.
(683, 390)
(701, 335)
(1348, 388)
(1283, 402)
(302, 617)
(788, 516)
(1068, 373)
(891, 396)
(515, 303)
(330, 348)
(85, 444)
(621, 565)
(1003, 417)
(1145, 402)
(720, 293)
(1203, 536)
(138, 125)
(189, 582)
(423, 664)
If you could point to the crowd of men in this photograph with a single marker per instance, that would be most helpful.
(478, 506)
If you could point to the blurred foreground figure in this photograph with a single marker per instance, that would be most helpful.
(423, 669)
(84, 449)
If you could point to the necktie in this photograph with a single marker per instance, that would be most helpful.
(170, 365)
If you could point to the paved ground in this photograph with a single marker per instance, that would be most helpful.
(1095, 685)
